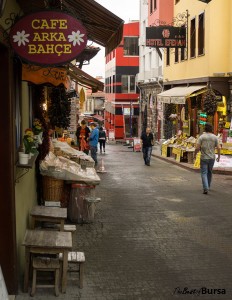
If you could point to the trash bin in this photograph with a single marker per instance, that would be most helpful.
(91, 207)
(77, 208)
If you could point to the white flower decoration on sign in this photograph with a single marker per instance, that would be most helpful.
(76, 37)
(21, 38)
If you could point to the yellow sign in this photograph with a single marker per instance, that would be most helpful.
(164, 150)
(197, 162)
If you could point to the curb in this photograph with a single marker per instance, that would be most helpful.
(188, 167)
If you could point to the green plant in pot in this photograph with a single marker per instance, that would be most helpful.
(28, 141)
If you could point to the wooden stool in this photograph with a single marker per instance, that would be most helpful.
(45, 264)
(79, 259)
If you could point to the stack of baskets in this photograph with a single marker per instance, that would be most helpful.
(52, 188)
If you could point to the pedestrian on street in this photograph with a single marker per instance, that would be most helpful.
(93, 141)
(147, 141)
(206, 144)
(82, 134)
(102, 139)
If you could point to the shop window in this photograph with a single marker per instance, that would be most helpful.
(201, 34)
(128, 84)
(131, 46)
(193, 38)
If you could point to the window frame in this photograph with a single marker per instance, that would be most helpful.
(128, 84)
(201, 34)
(193, 38)
(128, 48)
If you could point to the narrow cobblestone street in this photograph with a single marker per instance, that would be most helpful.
(154, 234)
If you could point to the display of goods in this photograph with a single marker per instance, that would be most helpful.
(86, 163)
(52, 188)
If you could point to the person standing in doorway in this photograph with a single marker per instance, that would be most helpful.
(93, 141)
(82, 134)
(102, 139)
(206, 144)
(147, 141)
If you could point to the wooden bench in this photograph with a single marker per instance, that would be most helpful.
(67, 227)
(76, 258)
(45, 264)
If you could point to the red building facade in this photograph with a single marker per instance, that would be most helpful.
(121, 94)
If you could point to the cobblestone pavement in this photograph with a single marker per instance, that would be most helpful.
(154, 234)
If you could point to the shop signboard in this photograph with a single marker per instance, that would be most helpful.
(164, 150)
(48, 38)
(225, 162)
(137, 145)
(111, 134)
(166, 37)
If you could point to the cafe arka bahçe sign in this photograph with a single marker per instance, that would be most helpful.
(166, 37)
(48, 38)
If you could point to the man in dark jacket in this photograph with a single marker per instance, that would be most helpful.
(102, 139)
(147, 141)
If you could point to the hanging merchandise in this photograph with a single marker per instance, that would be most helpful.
(59, 109)
(210, 102)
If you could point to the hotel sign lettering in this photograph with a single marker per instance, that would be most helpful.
(166, 37)
(48, 38)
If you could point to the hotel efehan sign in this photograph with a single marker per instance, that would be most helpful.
(48, 38)
(166, 37)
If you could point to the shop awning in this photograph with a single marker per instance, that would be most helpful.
(103, 27)
(98, 117)
(49, 75)
(178, 95)
(84, 79)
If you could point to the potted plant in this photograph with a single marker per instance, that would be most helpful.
(37, 129)
(28, 141)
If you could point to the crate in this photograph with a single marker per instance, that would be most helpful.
(52, 188)
(76, 159)
(87, 163)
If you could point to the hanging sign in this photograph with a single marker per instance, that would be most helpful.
(48, 38)
(166, 37)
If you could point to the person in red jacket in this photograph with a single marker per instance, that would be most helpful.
(82, 134)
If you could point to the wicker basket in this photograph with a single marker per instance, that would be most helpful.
(76, 159)
(52, 188)
(86, 163)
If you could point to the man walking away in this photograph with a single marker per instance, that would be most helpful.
(93, 141)
(102, 139)
(207, 143)
(147, 141)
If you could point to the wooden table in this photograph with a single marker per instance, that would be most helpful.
(47, 242)
(48, 214)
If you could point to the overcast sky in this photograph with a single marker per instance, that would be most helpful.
(126, 10)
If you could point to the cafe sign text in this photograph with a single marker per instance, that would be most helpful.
(48, 38)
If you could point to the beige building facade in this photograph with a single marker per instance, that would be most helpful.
(206, 64)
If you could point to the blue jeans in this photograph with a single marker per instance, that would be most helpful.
(93, 152)
(147, 154)
(206, 172)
